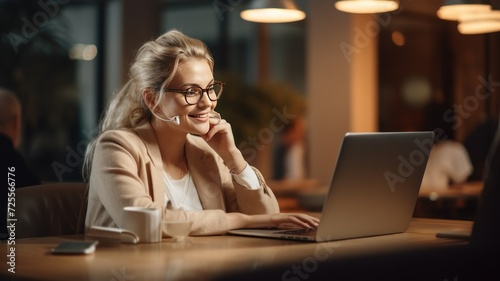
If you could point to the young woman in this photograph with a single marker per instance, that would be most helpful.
(162, 145)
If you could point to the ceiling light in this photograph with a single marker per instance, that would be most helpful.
(366, 6)
(272, 11)
(452, 9)
(477, 23)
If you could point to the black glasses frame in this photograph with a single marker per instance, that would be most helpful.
(210, 87)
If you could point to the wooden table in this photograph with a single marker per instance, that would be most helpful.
(455, 191)
(459, 201)
(217, 257)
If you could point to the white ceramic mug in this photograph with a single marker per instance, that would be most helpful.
(145, 222)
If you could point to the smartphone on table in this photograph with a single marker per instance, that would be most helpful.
(75, 247)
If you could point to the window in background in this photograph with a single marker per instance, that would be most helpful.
(52, 58)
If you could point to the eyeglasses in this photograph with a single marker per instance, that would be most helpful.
(194, 94)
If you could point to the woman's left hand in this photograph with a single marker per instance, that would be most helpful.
(220, 135)
(220, 138)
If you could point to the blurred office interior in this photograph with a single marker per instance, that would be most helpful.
(403, 70)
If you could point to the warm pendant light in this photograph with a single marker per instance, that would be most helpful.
(478, 23)
(452, 9)
(366, 6)
(272, 11)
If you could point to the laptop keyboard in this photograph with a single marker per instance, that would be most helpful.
(302, 231)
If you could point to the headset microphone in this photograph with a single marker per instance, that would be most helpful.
(175, 119)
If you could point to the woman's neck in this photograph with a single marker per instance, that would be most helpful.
(171, 143)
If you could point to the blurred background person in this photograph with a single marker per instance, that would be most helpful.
(10, 136)
(10, 157)
(290, 154)
(448, 164)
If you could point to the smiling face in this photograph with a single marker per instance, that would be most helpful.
(193, 118)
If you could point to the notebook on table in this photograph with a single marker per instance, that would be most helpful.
(373, 190)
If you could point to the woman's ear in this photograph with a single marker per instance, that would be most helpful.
(149, 98)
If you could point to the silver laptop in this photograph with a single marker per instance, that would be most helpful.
(373, 190)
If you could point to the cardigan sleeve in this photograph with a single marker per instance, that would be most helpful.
(259, 201)
(239, 198)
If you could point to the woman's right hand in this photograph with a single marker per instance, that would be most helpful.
(293, 219)
(239, 220)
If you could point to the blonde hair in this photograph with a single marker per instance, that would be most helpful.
(153, 68)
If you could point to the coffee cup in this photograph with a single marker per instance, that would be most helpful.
(144, 222)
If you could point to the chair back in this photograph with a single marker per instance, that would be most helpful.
(486, 229)
(51, 209)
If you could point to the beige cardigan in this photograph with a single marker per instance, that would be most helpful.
(127, 171)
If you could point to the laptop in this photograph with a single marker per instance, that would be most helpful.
(373, 190)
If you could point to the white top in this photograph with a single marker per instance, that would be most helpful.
(182, 193)
(448, 162)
